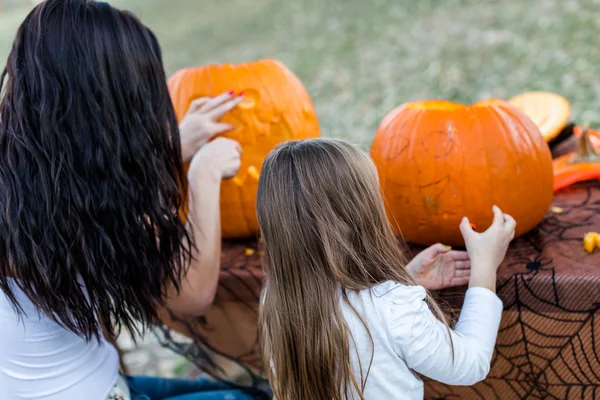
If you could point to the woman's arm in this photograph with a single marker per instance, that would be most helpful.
(210, 162)
(217, 160)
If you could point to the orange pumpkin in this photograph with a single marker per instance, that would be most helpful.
(276, 108)
(440, 161)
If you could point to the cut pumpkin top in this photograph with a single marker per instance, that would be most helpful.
(549, 111)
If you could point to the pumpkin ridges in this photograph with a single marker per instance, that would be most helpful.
(173, 83)
(278, 95)
(542, 157)
(543, 160)
(419, 115)
(475, 202)
(477, 140)
(237, 213)
(248, 216)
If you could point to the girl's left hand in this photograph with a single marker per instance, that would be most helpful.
(201, 122)
(440, 267)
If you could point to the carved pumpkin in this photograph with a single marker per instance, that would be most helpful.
(276, 108)
(439, 161)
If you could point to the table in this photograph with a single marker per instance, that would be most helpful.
(548, 346)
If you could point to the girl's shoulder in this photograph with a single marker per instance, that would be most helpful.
(398, 293)
(393, 309)
(389, 296)
(389, 299)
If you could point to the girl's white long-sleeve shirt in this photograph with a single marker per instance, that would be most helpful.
(408, 338)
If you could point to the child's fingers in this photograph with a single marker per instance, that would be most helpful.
(459, 281)
(466, 229)
(440, 248)
(464, 264)
(459, 255)
(509, 223)
(498, 216)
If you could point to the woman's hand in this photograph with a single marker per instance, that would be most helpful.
(439, 267)
(488, 249)
(221, 155)
(201, 122)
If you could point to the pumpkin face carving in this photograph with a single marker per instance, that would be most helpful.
(439, 161)
(276, 108)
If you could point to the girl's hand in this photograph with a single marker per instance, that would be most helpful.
(440, 267)
(488, 249)
(201, 122)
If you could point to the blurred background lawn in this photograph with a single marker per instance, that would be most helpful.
(359, 59)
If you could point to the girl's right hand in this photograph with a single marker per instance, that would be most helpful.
(221, 157)
(488, 249)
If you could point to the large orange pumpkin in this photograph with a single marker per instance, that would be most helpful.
(276, 108)
(439, 161)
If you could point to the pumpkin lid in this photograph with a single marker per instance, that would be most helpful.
(549, 111)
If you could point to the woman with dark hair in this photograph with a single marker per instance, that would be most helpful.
(91, 175)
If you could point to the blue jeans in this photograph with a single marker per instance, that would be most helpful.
(151, 388)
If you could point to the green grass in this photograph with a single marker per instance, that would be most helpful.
(359, 59)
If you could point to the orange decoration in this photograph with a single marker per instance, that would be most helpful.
(237, 181)
(549, 111)
(248, 252)
(581, 165)
(439, 161)
(276, 108)
(590, 241)
(253, 173)
(593, 134)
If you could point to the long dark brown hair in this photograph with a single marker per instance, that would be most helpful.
(324, 227)
(90, 169)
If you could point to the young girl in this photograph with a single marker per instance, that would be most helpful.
(341, 318)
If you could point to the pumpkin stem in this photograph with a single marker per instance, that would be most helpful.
(585, 150)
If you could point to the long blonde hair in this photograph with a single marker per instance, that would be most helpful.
(324, 225)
